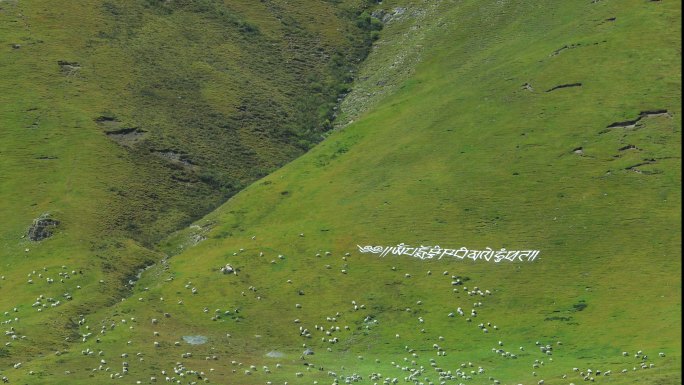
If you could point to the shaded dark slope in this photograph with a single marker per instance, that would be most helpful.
(217, 98)
(125, 120)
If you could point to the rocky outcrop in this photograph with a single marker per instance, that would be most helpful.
(42, 228)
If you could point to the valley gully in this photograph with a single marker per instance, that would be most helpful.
(431, 252)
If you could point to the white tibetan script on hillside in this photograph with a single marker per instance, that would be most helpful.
(436, 252)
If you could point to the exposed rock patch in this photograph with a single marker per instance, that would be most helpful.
(570, 85)
(563, 48)
(69, 68)
(629, 147)
(629, 124)
(654, 113)
(175, 157)
(195, 340)
(644, 163)
(108, 122)
(42, 228)
(126, 136)
(388, 16)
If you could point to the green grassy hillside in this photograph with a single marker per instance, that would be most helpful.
(516, 125)
(185, 102)
(127, 120)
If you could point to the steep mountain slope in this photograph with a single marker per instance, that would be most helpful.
(204, 97)
(126, 120)
(477, 124)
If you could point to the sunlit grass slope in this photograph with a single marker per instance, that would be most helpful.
(516, 125)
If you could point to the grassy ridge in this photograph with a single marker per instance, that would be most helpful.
(459, 153)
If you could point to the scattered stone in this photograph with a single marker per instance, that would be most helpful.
(563, 48)
(629, 147)
(389, 16)
(69, 68)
